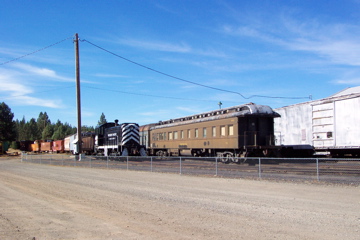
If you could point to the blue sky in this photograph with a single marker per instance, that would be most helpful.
(269, 48)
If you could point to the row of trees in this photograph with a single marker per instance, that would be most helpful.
(42, 128)
(36, 129)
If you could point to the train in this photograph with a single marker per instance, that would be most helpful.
(329, 125)
(109, 139)
(113, 139)
(40, 146)
(230, 134)
(317, 127)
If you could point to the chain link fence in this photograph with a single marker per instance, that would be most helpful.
(344, 171)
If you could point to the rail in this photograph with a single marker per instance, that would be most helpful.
(339, 171)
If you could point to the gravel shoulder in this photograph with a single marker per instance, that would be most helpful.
(52, 202)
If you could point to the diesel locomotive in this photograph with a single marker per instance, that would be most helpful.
(112, 139)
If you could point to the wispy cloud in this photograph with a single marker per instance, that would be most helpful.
(158, 46)
(41, 72)
(33, 101)
(348, 77)
(173, 47)
(337, 43)
(350, 81)
(105, 75)
(8, 85)
(17, 84)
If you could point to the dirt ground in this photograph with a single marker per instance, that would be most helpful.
(52, 202)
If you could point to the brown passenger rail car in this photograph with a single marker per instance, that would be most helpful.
(240, 131)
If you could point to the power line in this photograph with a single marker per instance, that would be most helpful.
(184, 80)
(148, 95)
(39, 50)
(50, 90)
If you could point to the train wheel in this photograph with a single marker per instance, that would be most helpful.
(142, 152)
(125, 152)
(227, 158)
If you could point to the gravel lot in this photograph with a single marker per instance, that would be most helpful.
(54, 202)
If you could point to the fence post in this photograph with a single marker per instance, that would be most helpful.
(260, 168)
(107, 162)
(216, 166)
(180, 166)
(127, 162)
(151, 164)
(317, 169)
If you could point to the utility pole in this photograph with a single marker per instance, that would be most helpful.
(78, 102)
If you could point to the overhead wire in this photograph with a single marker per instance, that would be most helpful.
(149, 68)
(184, 80)
(39, 50)
(148, 95)
(49, 90)
(31, 53)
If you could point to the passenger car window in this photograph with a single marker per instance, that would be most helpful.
(222, 131)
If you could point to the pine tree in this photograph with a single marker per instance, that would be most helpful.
(42, 121)
(7, 125)
(48, 132)
(33, 130)
(102, 119)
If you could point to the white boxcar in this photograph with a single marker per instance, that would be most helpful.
(69, 145)
(331, 124)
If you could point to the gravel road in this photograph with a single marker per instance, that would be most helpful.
(53, 202)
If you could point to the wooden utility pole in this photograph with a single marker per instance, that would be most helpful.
(78, 102)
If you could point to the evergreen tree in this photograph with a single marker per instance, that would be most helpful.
(48, 132)
(7, 125)
(69, 130)
(33, 130)
(58, 133)
(85, 128)
(20, 129)
(102, 119)
(43, 129)
(42, 121)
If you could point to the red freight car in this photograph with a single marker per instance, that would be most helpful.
(58, 146)
(46, 146)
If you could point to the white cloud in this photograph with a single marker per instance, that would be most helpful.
(32, 101)
(170, 47)
(106, 75)
(337, 51)
(9, 85)
(337, 43)
(158, 46)
(41, 72)
(17, 84)
(350, 81)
